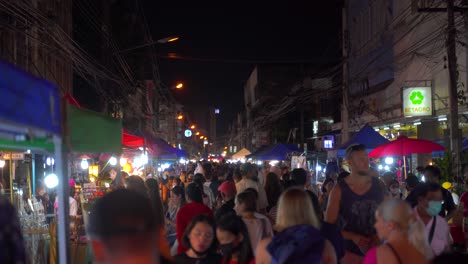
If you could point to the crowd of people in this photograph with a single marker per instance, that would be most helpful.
(244, 213)
(224, 213)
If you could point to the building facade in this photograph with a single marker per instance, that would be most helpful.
(398, 76)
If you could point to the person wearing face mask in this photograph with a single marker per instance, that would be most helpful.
(429, 205)
(394, 189)
(234, 242)
(199, 238)
(355, 200)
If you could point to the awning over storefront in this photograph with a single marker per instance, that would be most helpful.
(93, 132)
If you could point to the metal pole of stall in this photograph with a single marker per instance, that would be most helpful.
(33, 173)
(11, 177)
(28, 178)
(63, 210)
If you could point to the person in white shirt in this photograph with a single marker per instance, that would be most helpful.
(72, 203)
(248, 172)
(429, 197)
(258, 225)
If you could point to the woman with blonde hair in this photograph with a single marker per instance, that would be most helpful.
(299, 239)
(404, 236)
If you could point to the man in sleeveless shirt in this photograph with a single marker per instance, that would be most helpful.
(352, 204)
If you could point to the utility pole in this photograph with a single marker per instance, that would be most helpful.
(455, 143)
(455, 136)
(345, 82)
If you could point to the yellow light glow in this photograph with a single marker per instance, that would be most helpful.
(192, 127)
(179, 86)
(127, 168)
(173, 39)
(180, 117)
(93, 170)
(197, 134)
(201, 137)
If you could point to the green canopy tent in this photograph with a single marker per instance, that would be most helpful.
(92, 132)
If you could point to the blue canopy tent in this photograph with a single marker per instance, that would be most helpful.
(30, 110)
(275, 152)
(162, 149)
(465, 144)
(367, 136)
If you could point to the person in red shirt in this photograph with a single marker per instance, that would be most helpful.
(234, 241)
(193, 208)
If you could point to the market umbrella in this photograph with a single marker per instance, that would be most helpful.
(403, 146)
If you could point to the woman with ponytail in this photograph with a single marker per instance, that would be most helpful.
(403, 235)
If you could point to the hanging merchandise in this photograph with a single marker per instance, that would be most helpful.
(298, 162)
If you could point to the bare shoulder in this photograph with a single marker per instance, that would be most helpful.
(336, 190)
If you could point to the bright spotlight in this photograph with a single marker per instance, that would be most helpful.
(50, 161)
(51, 181)
(113, 161)
(389, 160)
(387, 167)
(2, 163)
(380, 167)
(123, 161)
(84, 164)
(318, 168)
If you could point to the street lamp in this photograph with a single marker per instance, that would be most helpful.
(180, 117)
(197, 134)
(179, 86)
(168, 39)
(192, 127)
(160, 41)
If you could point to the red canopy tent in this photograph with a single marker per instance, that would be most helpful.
(132, 141)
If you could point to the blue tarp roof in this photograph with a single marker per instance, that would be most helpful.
(163, 149)
(28, 100)
(274, 152)
(367, 136)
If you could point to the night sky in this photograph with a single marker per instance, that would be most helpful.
(221, 42)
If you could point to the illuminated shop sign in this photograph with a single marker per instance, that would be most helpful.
(417, 101)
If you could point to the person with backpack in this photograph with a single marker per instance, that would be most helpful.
(299, 239)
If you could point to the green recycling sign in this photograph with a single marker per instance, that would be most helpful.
(417, 101)
(416, 97)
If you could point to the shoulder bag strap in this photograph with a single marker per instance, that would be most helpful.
(394, 252)
(431, 233)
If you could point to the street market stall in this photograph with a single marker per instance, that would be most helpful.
(30, 110)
